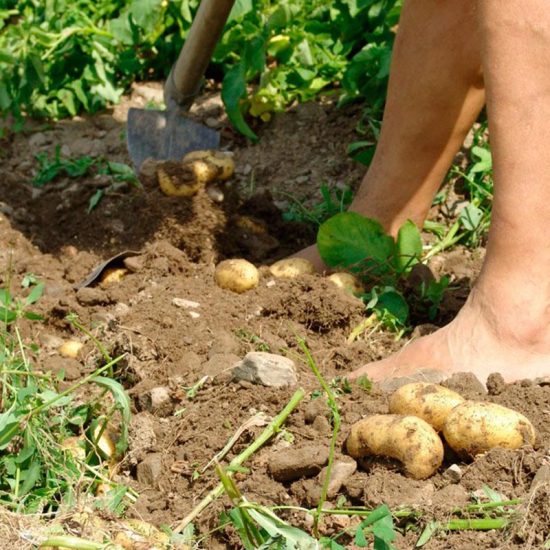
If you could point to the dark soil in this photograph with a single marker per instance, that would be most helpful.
(177, 243)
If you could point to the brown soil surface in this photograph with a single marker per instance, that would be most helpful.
(171, 345)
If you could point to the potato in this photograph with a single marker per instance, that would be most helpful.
(473, 428)
(291, 268)
(347, 282)
(112, 275)
(71, 349)
(219, 164)
(236, 275)
(179, 180)
(75, 445)
(431, 402)
(103, 442)
(408, 439)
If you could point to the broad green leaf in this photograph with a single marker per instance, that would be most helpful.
(484, 162)
(240, 8)
(349, 240)
(394, 303)
(470, 217)
(408, 247)
(9, 428)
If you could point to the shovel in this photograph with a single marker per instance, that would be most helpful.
(164, 135)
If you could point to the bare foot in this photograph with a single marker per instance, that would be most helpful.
(478, 340)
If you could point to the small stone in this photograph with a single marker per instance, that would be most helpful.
(36, 193)
(150, 469)
(291, 464)
(156, 400)
(88, 296)
(267, 369)
(270, 283)
(65, 151)
(215, 193)
(342, 470)
(187, 304)
(194, 314)
(453, 473)
(247, 168)
(212, 122)
(133, 263)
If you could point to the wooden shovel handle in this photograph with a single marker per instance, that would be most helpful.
(185, 77)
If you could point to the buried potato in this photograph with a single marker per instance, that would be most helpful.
(291, 268)
(408, 439)
(472, 428)
(347, 282)
(431, 402)
(237, 275)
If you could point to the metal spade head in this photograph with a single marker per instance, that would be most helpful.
(165, 135)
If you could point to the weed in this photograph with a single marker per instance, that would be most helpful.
(257, 343)
(48, 437)
(50, 169)
(360, 245)
(333, 202)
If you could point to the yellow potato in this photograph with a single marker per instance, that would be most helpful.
(347, 282)
(180, 180)
(291, 268)
(112, 275)
(103, 441)
(220, 165)
(431, 402)
(236, 275)
(408, 439)
(71, 349)
(473, 428)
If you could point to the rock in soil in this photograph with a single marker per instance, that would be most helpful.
(156, 400)
(342, 470)
(142, 435)
(150, 469)
(291, 464)
(267, 369)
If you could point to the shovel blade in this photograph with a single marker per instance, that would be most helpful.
(164, 135)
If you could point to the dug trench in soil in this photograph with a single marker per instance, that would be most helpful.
(171, 345)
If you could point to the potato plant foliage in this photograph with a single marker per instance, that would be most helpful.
(61, 57)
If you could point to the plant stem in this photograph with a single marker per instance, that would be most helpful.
(75, 543)
(76, 323)
(335, 429)
(267, 434)
(485, 524)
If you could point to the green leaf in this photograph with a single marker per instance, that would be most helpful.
(349, 240)
(429, 531)
(32, 475)
(233, 91)
(122, 402)
(95, 199)
(470, 217)
(393, 302)
(408, 247)
(484, 162)
(240, 8)
(35, 294)
(9, 428)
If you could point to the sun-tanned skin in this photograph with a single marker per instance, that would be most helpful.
(435, 94)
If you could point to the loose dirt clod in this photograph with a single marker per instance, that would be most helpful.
(294, 463)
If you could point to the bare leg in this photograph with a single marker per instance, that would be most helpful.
(435, 94)
(505, 325)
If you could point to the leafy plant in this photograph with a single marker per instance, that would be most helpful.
(50, 169)
(48, 454)
(360, 245)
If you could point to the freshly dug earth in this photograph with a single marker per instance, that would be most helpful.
(176, 326)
